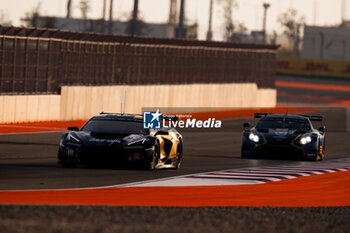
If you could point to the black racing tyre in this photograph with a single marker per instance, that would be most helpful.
(62, 164)
(323, 148)
(319, 156)
(151, 164)
(179, 154)
(315, 158)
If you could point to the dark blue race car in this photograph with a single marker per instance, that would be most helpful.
(284, 136)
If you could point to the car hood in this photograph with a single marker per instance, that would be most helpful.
(105, 139)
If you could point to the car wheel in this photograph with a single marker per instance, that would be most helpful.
(323, 148)
(60, 163)
(179, 153)
(319, 156)
(152, 163)
(315, 158)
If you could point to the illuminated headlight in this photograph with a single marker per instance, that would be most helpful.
(305, 140)
(254, 137)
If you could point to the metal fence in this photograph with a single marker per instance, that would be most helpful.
(40, 61)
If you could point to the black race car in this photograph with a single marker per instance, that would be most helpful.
(120, 140)
(284, 136)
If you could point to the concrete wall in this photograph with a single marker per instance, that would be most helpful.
(29, 108)
(82, 102)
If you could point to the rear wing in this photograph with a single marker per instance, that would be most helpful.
(314, 118)
(260, 115)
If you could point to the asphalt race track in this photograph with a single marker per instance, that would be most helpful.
(28, 161)
(319, 94)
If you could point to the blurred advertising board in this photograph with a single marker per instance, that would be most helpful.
(302, 66)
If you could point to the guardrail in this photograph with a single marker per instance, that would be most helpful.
(37, 61)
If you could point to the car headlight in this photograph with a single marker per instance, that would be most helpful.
(71, 138)
(305, 140)
(253, 137)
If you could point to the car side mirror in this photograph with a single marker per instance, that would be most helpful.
(161, 132)
(246, 125)
(322, 128)
(73, 128)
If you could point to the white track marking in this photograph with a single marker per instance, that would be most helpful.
(185, 181)
(280, 170)
(247, 176)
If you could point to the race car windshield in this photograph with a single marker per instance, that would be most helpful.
(283, 123)
(119, 127)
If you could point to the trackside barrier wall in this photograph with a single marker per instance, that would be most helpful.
(29, 108)
(48, 74)
(82, 102)
(40, 61)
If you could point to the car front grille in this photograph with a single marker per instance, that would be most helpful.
(279, 150)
